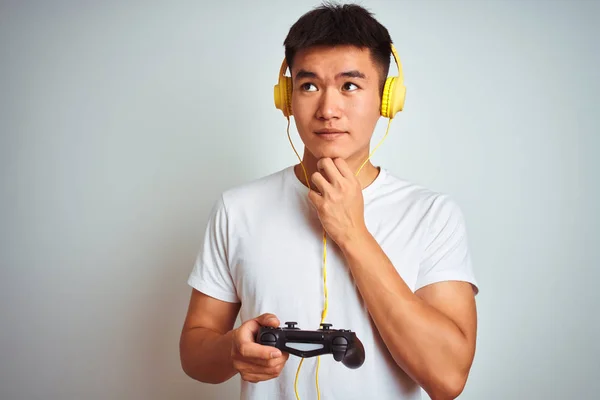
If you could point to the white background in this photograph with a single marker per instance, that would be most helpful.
(121, 124)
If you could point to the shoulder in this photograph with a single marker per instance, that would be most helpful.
(445, 254)
(430, 204)
(256, 192)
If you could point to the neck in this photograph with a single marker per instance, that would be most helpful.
(366, 176)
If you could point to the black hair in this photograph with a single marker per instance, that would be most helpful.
(335, 24)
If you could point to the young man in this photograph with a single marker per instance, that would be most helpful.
(397, 263)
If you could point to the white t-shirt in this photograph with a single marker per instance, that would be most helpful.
(263, 247)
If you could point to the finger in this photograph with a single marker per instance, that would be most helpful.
(268, 319)
(321, 183)
(254, 378)
(246, 346)
(327, 167)
(277, 362)
(257, 377)
(344, 168)
(251, 327)
(315, 198)
(254, 351)
(262, 372)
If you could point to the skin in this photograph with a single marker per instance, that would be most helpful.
(430, 333)
(328, 95)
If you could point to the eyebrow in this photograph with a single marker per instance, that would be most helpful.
(303, 74)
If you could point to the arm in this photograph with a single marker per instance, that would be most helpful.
(212, 352)
(206, 339)
(430, 333)
(210, 349)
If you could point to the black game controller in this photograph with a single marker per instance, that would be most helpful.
(342, 343)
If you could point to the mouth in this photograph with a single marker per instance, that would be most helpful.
(328, 131)
(330, 134)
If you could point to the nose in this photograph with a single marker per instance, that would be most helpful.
(329, 105)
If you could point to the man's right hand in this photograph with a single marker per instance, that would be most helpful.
(253, 361)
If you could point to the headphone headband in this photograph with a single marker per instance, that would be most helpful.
(398, 64)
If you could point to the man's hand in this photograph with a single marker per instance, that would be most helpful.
(253, 361)
(339, 201)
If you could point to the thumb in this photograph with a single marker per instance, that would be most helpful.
(252, 326)
(268, 319)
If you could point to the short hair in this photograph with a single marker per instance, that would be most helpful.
(335, 24)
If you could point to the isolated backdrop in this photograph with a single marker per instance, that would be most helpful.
(121, 122)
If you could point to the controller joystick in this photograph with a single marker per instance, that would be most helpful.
(342, 344)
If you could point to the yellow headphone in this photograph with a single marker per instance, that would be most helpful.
(392, 101)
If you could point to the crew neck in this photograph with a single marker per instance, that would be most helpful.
(367, 191)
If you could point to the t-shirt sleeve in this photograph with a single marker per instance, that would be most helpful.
(446, 254)
(211, 273)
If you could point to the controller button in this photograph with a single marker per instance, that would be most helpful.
(269, 339)
(325, 326)
(340, 341)
(291, 325)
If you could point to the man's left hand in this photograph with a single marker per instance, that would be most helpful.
(338, 200)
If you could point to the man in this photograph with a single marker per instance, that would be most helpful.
(397, 263)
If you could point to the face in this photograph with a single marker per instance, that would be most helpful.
(335, 101)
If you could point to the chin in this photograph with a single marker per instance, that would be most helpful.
(330, 153)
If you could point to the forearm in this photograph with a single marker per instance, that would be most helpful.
(206, 355)
(426, 344)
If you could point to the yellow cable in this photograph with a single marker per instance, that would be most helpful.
(325, 293)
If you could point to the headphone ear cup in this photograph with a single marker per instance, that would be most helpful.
(392, 100)
(282, 93)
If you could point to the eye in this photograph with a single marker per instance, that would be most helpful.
(307, 87)
(350, 86)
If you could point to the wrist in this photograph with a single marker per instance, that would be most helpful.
(355, 239)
